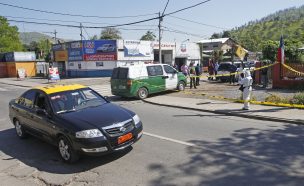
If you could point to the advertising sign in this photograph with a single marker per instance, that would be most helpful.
(75, 51)
(100, 50)
(164, 46)
(20, 56)
(61, 55)
(21, 73)
(57, 47)
(53, 73)
(137, 48)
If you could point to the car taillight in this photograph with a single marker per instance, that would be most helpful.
(129, 83)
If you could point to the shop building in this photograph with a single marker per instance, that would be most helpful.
(97, 58)
(11, 62)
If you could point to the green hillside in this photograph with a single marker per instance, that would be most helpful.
(289, 22)
(28, 37)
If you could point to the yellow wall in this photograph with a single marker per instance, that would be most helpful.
(30, 68)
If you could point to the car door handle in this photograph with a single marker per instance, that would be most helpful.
(165, 77)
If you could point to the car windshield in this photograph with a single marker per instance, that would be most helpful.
(224, 66)
(71, 101)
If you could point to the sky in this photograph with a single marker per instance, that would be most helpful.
(213, 16)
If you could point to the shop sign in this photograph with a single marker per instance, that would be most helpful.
(134, 48)
(99, 50)
(53, 73)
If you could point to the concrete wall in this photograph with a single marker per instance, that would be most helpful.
(90, 68)
(278, 82)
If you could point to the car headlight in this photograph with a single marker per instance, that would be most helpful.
(93, 133)
(136, 119)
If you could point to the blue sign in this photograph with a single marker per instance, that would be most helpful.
(75, 51)
(100, 50)
(75, 55)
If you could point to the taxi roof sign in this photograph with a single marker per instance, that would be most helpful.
(60, 88)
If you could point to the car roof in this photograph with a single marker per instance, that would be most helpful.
(50, 89)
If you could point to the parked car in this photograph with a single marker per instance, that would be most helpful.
(76, 119)
(106, 48)
(226, 68)
(144, 79)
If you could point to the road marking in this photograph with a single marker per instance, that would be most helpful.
(170, 139)
(3, 119)
(243, 157)
(3, 89)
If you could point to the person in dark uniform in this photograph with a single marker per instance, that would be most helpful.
(198, 73)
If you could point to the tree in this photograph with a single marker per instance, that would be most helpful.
(110, 33)
(215, 36)
(9, 37)
(95, 37)
(226, 34)
(270, 49)
(149, 36)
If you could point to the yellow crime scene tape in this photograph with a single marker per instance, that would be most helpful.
(237, 100)
(295, 71)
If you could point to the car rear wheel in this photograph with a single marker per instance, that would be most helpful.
(19, 129)
(181, 86)
(142, 93)
(66, 150)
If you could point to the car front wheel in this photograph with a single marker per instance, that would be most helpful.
(142, 93)
(19, 130)
(66, 150)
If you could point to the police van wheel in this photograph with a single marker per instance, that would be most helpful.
(181, 86)
(142, 93)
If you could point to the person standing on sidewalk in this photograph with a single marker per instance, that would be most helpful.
(192, 75)
(198, 73)
(246, 82)
(185, 69)
(216, 66)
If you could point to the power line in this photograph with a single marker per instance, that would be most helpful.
(117, 25)
(182, 32)
(198, 22)
(203, 2)
(75, 15)
(63, 21)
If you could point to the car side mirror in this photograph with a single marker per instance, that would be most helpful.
(106, 98)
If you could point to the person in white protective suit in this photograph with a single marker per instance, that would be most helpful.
(247, 89)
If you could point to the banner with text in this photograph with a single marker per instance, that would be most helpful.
(100, 50)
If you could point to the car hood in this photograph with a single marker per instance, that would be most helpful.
(97, 117)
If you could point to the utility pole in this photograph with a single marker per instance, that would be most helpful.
(81, 31)
(55, 33)
(159, 39)
(160, 18)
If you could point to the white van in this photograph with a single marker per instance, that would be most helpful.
(144, 79)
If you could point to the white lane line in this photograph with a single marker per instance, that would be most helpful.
(243, 157)
(170, 139)
(3, 89)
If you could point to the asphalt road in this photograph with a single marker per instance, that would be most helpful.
(179, 147)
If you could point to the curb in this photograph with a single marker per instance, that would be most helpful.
(231, 114)
(27, 86)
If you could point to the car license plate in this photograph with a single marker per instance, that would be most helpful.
(124, 138)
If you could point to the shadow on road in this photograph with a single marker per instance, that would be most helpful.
(45, 157)
(270, 156)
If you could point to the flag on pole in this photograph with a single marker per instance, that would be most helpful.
(281, 54)
(240, 52)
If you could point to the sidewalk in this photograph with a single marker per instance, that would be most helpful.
(33, 82)
(269, 113)
(260, 112)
